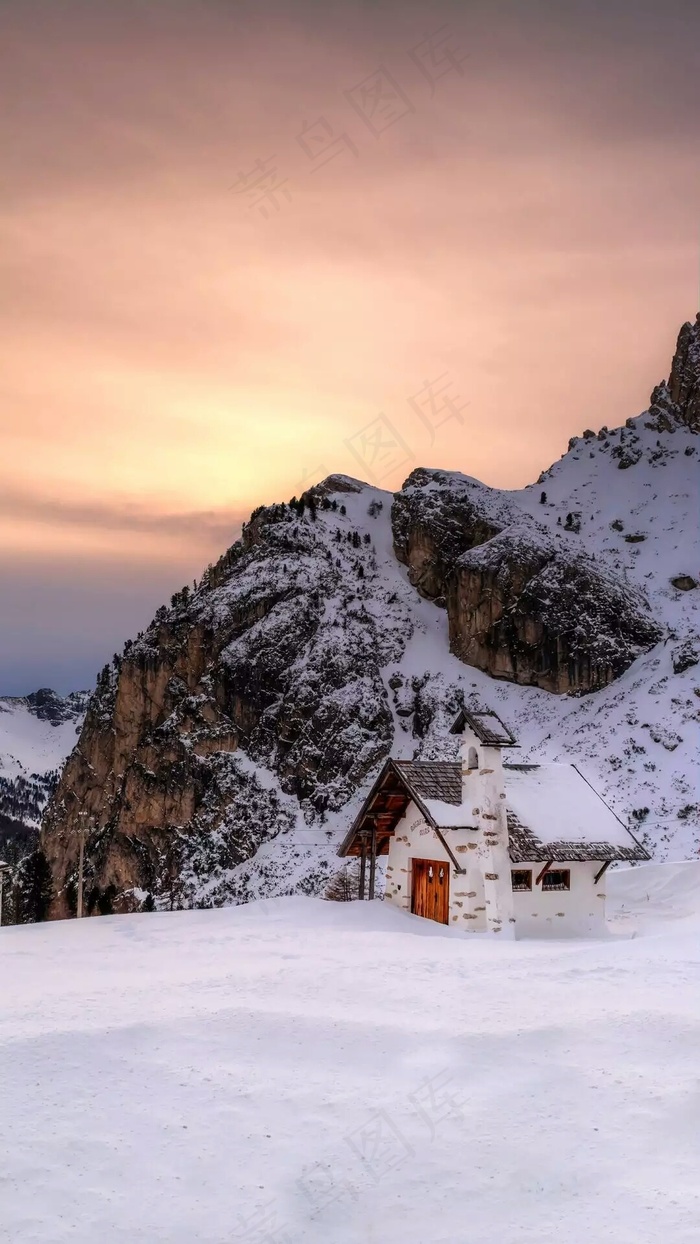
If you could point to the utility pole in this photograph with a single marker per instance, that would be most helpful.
(4, 868)
(81, 859)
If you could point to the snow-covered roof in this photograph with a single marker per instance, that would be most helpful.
(555, 813)
(486, 725)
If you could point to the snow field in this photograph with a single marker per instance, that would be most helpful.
(294, 1070)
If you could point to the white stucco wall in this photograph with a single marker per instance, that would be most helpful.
(484, 802)
(414, 839)
(577, 912)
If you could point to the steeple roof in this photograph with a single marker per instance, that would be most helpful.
(487, 726)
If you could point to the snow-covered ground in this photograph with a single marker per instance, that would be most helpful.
(295, 1070)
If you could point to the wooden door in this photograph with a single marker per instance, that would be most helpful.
(430, 895)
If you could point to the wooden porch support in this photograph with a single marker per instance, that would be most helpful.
(373, 861)
(546, 869)
(363, 864)
(602, 870)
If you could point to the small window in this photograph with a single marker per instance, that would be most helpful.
(521, 878)
(557, 879)
(473, 758)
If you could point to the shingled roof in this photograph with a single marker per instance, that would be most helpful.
(487, 726)
(433, 779)
(434, 786)
(524, 847)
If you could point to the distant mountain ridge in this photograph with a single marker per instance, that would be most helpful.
(37, 733)
(224, 752)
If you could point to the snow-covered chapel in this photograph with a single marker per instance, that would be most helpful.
(518, 849)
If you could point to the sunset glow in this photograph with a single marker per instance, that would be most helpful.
(172, 357)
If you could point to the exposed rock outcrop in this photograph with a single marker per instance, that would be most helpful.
(522, 604)
(684, 382)
(526, 607)
(677, 400)
(686, 654)
(439, 515)
(56, 709)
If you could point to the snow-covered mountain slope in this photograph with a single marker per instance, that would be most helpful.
(643, 520)
(641, 736)
(37, 733)
(225, 752)
(637, 740)
(304, 1071)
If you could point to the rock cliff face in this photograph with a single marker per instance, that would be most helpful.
(278, 652)
(437, 516)
(525, 608)
(684, 382)
(522, 603)
(225, 749)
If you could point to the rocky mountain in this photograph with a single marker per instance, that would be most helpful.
(37, 733)
(224, 752)
(523, 603)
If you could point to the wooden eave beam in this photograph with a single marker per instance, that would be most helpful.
(544, 872)
(382, 822)
(456, 864)
(602, 870)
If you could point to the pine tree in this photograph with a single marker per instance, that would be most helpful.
(36, 887)
(344, 885)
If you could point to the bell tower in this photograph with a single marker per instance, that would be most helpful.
(482, 737)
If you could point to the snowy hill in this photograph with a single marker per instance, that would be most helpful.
(304, 1071)
(225, 753)
(37, 733)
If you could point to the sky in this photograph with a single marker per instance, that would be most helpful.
(243, 246)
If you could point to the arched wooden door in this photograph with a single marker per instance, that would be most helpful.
(430, 893)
